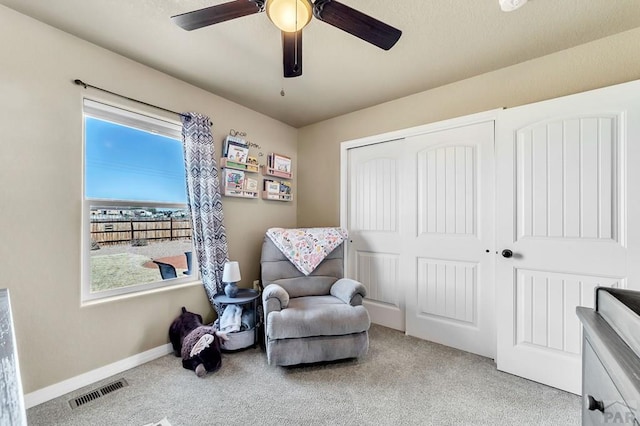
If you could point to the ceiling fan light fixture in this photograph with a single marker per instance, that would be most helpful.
(511, 5)
(289, 15)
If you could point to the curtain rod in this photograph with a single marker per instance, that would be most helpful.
(85, 85)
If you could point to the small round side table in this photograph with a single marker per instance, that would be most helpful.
(245, 296)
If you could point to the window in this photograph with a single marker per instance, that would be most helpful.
(134, 210)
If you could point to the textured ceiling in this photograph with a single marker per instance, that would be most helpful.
(443, 41)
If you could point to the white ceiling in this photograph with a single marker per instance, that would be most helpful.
(443, 41)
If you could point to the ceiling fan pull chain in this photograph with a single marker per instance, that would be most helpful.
(296, 46)
(295, 49)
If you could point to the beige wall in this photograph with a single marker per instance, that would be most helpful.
(601, 63)
(41, 193)
(41, 170)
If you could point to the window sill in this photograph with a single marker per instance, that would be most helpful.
(121, 297)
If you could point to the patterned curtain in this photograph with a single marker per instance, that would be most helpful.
(205, 202)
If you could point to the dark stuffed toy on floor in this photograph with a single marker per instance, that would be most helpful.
(197, 344)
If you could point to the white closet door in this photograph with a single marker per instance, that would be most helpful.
(447, 257)
(564, 194)
(373, 223)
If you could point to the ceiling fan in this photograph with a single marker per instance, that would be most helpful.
(291, 16)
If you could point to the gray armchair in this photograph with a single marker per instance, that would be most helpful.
(311, 318)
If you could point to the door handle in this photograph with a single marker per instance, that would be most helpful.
(507, 253)
(594, 404)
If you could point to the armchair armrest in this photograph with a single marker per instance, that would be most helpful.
(349, 291)
(274, 298)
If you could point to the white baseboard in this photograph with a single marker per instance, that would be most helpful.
(50, 392)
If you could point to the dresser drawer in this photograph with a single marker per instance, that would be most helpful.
(597, 384)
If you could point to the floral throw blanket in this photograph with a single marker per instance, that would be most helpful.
(306, 248)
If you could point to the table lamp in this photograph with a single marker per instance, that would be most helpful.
(231, 275)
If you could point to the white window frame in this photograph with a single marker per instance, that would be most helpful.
(141, 121)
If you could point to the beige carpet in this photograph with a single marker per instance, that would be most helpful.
(163, 422)
(402, 381)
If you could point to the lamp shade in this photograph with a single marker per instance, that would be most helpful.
(231, 273)
(289, 15)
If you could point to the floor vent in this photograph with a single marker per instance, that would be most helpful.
(98, 393)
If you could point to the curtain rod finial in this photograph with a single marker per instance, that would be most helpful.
(80, 83)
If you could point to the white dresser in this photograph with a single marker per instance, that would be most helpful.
(611, 358)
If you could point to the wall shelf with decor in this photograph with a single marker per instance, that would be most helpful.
(239, 194)
(236, 183)
(251, 166)
(236, 168)
(278, 165)
(276, 190)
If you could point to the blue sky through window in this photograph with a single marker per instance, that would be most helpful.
(122, 163)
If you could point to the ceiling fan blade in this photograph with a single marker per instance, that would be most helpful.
(356, 23)
(216, 14)
(292, 54)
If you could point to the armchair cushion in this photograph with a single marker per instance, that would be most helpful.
(349, 291)
(316, 316)
(306, 286)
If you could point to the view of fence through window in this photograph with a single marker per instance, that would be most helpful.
(139, 227)
(125, 241)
